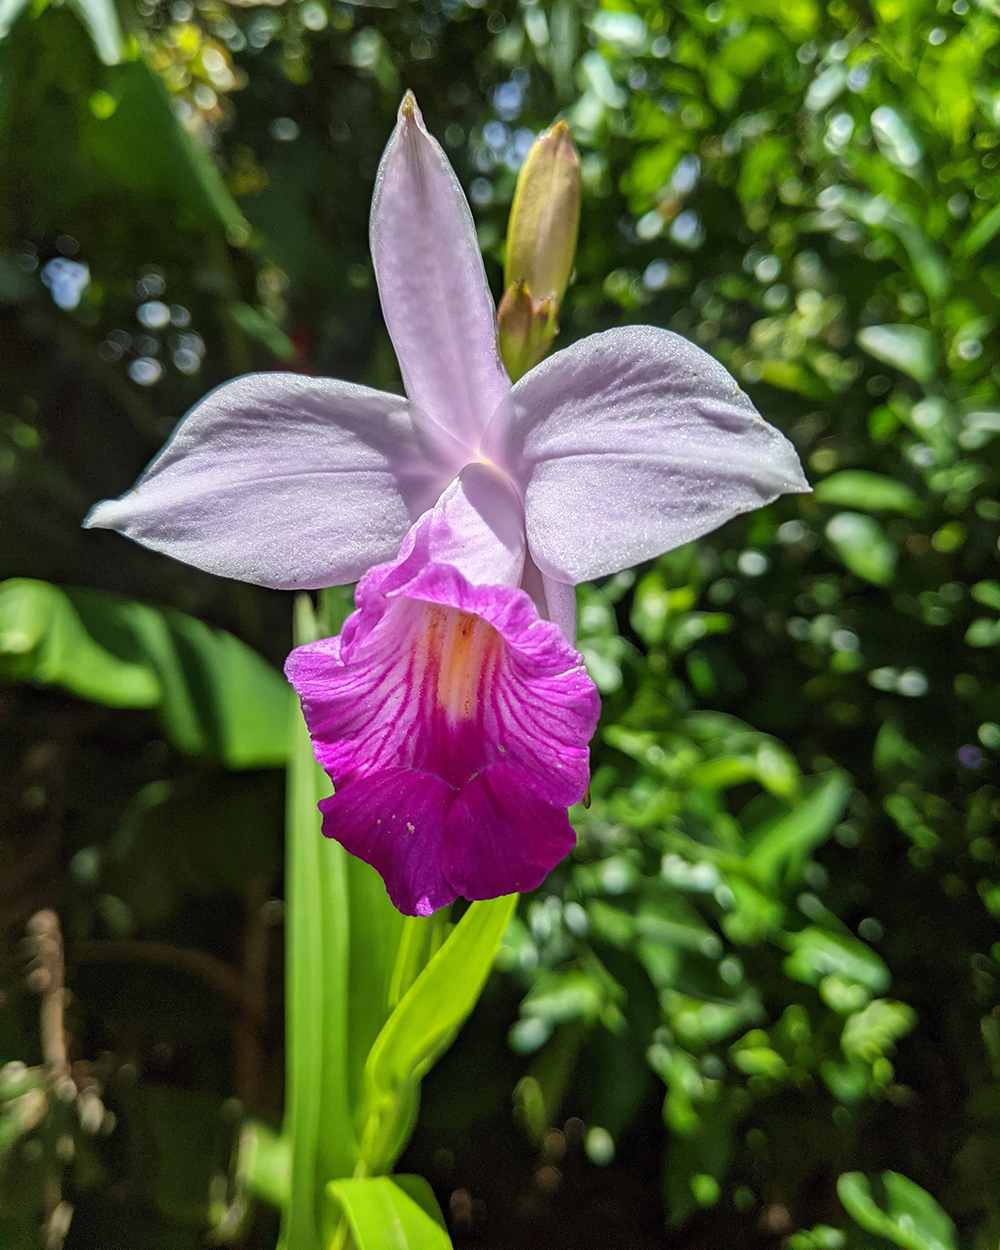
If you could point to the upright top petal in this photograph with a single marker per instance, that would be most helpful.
(432, 283)
(629, 443)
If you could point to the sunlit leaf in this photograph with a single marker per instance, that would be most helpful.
(875, 1030)
(907, 348)
(862, 546)
(896, 138)
(817, 953)
(897, 1209)
(424, 1023)
(215, 696)
(44, 641)
(857, 488)
(386, 1213)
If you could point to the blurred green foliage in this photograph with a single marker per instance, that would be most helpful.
(773, 960)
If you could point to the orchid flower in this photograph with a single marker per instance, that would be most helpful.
(452, 712)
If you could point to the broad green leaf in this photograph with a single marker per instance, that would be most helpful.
(44, 641)
(781, 845)
(101, 20)
(385, 1213)
(873, 492)
(862, 546)
(214, 695)
(897, 1209)
(907, 348)
(141, 144)
(423, 1025)
(239, 702)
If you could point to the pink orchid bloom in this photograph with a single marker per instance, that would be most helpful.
(452, 712)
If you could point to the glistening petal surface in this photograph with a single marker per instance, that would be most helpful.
(477, 527)
(287, 481)
(431, 280)
(555, 601)
(630, 443)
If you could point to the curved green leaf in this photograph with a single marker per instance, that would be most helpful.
(214, 695)
(897, 1209)
(383, 1213)
(907, 348)
(423, 1025)
(780, 846)
(44, 640)
(862, 546)
(872, 492)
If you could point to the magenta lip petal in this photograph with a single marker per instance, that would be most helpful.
(394, 821)
(501, 838)
(456, 703)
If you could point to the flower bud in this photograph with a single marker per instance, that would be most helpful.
(527, 327)
(541, 242)
(541, 233)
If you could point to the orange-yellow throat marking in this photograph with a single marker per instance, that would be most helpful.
(464, 650)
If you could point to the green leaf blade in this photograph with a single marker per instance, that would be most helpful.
(383, 1213)
(425, 1022)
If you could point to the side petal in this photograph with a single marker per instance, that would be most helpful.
(630, 443)
(394, 820)
(501, 838)
(287, 481)
(555, 601)
(435, 298)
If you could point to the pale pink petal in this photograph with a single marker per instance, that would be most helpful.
(630, 443)
(555, 601)
(287, 481)
(477, 526)
(432, 283)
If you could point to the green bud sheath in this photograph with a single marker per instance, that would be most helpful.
(545, 215)
(527, 327)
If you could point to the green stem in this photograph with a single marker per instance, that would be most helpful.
(318, 1118)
